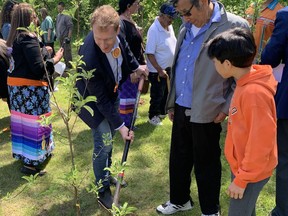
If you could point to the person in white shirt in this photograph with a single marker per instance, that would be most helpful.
(160, 49)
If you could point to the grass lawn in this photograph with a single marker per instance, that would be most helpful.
(146, 174)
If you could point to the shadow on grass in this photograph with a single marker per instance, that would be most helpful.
(10, 175)
(83, 145)
(11, 178)
(145, 129)
(83, 141)
(89, 207)
(4, 130)
(5, 122)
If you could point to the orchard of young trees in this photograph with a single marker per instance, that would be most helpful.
(145, 18)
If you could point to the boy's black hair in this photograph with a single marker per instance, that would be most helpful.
(236, 45)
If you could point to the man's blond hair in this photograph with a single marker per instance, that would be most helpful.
(104, 17)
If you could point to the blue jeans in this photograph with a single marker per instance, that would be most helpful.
(281, 208)
(102, 153)
(246, 205)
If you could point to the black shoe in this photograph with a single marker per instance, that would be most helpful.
(113, 181)
(32, 171)
(105, 199)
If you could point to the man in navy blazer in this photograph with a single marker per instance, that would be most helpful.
(110, 56)
(275, 52)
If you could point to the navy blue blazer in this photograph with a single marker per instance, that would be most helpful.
(275, 52)
(103, 83)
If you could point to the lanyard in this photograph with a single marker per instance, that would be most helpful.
(116, 53)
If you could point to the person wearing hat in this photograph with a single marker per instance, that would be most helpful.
(160, 49)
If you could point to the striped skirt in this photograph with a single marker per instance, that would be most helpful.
(32, 143)
(127, 96)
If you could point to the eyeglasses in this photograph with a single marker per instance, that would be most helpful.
(188, 13)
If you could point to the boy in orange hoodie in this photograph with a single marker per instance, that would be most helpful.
(250, 145)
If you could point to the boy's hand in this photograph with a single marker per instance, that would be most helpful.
(235, 192)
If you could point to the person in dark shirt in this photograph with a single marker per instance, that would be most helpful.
(274, 53)
(132, 33)
(4, 64)
(64, 27)
(108, 54)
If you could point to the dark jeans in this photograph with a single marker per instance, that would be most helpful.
(67, 54)
(195, 145)
(158, 94)
(102, 153)
(281, 208)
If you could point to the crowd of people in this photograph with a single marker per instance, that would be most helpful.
(217, 68)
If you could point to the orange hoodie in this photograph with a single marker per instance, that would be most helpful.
(250, 145)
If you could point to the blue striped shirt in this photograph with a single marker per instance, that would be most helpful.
(188, 53)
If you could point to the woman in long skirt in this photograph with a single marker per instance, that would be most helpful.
(28, 86)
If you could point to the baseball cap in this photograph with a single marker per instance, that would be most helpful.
(168, 10)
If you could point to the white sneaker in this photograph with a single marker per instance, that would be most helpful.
(156, 121)
(170, 208)
(216, 214)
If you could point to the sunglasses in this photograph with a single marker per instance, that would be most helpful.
(188, 13)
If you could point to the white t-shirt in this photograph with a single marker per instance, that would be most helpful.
(161, 43)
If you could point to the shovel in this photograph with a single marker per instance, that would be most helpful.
(127, 143)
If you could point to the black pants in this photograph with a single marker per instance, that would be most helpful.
(195, 145)
(281, 208)
(158, 94)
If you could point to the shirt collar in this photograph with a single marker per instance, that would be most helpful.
(116, 44)
(158, 24)
(216, 16)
